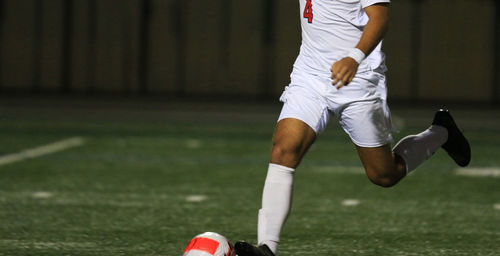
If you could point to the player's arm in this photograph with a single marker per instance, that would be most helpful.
(376, 27)
(344, 70)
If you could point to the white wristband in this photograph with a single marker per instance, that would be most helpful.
(357, 55)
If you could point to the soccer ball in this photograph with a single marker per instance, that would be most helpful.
(209, 244)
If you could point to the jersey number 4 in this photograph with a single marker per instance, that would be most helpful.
(308, 11)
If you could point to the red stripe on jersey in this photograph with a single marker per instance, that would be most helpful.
(203, 244)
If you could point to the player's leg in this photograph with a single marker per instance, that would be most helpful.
(291, 140)
(382, 166)
(385, 167)
(366, 118)
(304, 115)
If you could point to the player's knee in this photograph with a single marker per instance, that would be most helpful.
(382, 180)
(284, 154)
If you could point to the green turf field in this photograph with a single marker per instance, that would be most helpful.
(149, 176)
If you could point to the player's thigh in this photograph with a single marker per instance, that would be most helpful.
(368, 123)
(378, 161)
(292, 138)
(303, 116)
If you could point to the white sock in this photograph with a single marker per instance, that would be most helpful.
(276, 204)
(415, 149)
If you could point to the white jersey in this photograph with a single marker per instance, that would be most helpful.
(330, 30)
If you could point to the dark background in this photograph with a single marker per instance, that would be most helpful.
(446, 50)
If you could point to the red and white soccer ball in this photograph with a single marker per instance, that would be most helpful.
(209, 244)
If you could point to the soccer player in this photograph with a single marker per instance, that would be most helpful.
(340, 71)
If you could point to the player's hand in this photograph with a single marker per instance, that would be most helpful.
(343, 71)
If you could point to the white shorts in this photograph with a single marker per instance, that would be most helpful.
(360, 106)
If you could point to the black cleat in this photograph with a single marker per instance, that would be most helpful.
(457, 145)
(245, 249)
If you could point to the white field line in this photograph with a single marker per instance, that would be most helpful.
(193, 143)
(493, 172)
(42, 150)
(42, 195)
(350, 202)
(12, 243)
(196, 198)
(479, 172)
